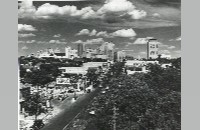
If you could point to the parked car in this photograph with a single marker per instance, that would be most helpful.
(71, 91)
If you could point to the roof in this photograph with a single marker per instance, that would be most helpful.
(60, 54)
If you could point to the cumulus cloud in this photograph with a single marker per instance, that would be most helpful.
(93, 32)
(124, 33)
(57, 42)
(104, 34)
(156, 14)
(31, 41)
(130, 33)
(143, 52)
(26, 35)
(142, 40)
(21, 42)
(116, 6)
(137, 14)
(178, 51)
(122, 8)
(112, 13)
(42, 42)
(25, 27)
(47, 10)
(57, 35)
(24, 48)
(171, 47)
(84, 32)
(91, 41)
(164, 52)
(87, 32)
(176, 39)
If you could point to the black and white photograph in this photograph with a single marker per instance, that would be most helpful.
(99, 64)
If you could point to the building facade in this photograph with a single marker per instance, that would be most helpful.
(119, 55)
(152, 49)
(81, 49)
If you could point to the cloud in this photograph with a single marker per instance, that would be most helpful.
(137, 14)
(57, 35)
(112, 13)
(116, 6)
(25, 27)
(21, 42)
(42, 42)
(87, 32)
(83, 32)
(31, 41)
(171, 47)
(130, 33)
(24, 48)
(48, 11)
(79, 41)
(124, 33)
(178, 51)
(121, 8)
(156, 15)
(26, 35)
(104, 34)
(143, 53)
(93, 33)
(164, 46)
(91, 41)
(141, 40)
(57, 42)
(176, 39)
(164, 51)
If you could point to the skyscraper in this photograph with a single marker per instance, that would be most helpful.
(81, 49)
(152, 48)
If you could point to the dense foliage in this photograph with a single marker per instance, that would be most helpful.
(142, 101)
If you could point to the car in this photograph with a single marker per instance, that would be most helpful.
(71, 91)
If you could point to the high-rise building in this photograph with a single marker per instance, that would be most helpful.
(81, 49)
(67, 52)
(50, 51)
(152, 48)
(107, 49)
(119, 55)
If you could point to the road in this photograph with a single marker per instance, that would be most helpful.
(64, 118)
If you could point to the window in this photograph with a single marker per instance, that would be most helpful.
(152, 45)
(152, 53)
(156, 45)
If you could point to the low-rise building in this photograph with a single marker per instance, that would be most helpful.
(138, 66)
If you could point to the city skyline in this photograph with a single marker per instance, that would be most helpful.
(93, 22)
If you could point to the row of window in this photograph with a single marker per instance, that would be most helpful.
(153, 45)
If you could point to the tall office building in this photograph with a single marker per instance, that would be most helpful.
(119, 55)
(81, 49)
(152, 48)
(67, 52)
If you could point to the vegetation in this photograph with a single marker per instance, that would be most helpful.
(142, 101)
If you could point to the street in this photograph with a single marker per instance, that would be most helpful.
(69, 112)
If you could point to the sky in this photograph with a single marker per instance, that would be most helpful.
(57, 24)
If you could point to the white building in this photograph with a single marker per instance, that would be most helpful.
(138, 66)
(68, 54)
(73, 70)
(81, 70)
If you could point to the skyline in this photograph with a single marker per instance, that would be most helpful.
(52, 24)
